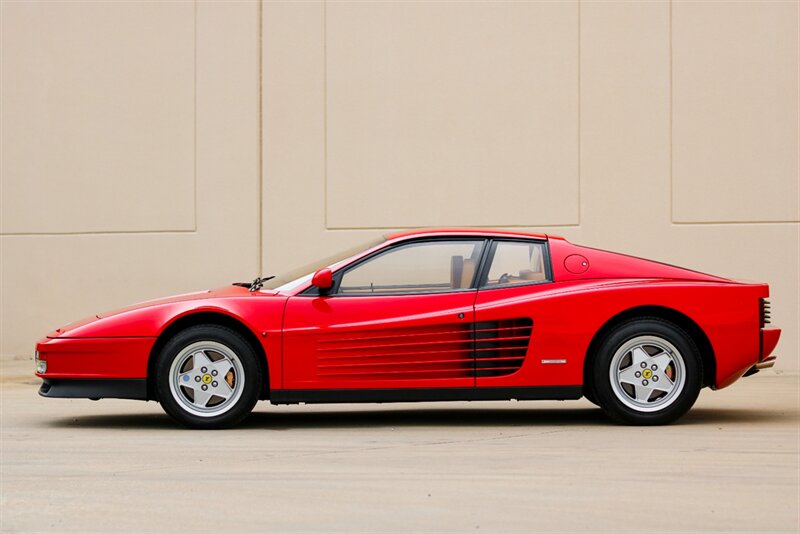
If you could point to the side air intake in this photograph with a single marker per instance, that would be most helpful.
(500, 346)
(462, 350)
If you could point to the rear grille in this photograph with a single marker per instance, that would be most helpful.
(765, 312)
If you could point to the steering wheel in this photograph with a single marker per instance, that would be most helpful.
(504, 278)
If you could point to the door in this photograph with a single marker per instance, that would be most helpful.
(400, 318)
(506, 312)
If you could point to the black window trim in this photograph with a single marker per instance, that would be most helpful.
(313, 291)
(478, 280)
(489, 258)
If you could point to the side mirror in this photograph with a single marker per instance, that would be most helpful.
(323, 279)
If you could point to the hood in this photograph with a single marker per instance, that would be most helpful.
(143, 319)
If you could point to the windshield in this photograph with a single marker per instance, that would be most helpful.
(296, 277)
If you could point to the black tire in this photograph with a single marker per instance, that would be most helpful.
(628, 403)
(588, 393)
(243, 380)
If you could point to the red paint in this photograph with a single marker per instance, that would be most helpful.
(409, 328)
(769, 340)
(119, 357)
(576, 264)
(426, 340)
(323, 279)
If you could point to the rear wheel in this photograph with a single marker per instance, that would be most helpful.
(647, 372)
(208, 376)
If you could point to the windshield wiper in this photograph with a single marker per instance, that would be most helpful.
(256, 284)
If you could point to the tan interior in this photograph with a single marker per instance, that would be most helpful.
(468, 272)
(456, 271)
(529, 275)
(462, 271)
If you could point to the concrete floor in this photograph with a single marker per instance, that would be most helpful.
(731, 464)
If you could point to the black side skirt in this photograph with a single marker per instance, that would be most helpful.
(314, 396)
(94, 388)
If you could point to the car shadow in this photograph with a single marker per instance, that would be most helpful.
(426, 417)
(712, 416)
(421, 417)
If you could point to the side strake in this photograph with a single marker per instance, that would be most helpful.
(490, 348)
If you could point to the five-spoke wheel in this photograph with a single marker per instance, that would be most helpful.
(647, 371)
(208, 377)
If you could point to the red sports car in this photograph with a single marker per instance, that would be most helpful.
(434, 315)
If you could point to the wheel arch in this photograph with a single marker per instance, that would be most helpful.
(681, 320)
(213, 318)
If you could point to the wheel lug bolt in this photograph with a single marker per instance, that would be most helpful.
(214, 383)
(197, 379)
(204, 369)
(205, 387)
(654, 367)
(638, 374)
(214, 372)
(655, 379)
(644, 383)
(643, 365)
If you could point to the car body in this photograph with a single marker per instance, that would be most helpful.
(453, 314)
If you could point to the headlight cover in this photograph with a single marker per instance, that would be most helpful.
(41, 365)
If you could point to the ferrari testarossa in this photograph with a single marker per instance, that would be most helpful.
(434, 315)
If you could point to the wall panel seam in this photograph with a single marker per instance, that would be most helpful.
(260, 67)
(98, 232)
(673, 221)
(194, 169)
(325, 113)
(578, 177)
(731, 223)
(580, 147)
(671, 188)
(396, 228)
(193, 228)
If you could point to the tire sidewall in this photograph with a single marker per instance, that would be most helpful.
(235, 342)
(601, 383)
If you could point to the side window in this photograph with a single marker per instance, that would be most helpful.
(432, 266)
(516, 262)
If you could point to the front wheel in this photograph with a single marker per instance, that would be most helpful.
(208, 376)
(647, 372)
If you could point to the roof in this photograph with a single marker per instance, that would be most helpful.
(488, 232)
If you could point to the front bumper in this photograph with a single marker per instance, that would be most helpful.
(94, 358)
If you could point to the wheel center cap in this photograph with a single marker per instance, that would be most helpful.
(647, 373)
(206, 379)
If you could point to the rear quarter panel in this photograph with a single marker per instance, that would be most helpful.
(567, 315)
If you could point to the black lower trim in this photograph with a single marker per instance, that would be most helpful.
(312, 396)
(94, 388)
(750, 372)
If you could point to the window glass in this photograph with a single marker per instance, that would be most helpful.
(297, 277)
(517, 263)
(416, 267)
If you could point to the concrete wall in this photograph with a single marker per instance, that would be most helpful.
(149, 149)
